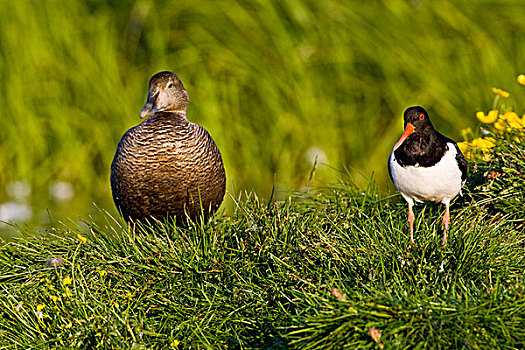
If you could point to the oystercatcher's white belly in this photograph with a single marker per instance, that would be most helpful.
(438, 183)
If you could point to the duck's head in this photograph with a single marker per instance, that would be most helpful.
(166, 94)
(416, 121)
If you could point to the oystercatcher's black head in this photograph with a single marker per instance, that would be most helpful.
(416, 121)
(418, 117)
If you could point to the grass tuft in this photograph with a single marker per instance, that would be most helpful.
(330, 268)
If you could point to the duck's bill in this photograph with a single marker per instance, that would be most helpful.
(147, 111)
(149, 108)
(409, 129)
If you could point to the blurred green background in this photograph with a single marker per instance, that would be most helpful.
(276, 83)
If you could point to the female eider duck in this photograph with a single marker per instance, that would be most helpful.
(426, 166)
(167, 167)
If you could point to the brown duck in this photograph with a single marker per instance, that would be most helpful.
(166, 166)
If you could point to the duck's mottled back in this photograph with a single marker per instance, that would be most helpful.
(167, 166)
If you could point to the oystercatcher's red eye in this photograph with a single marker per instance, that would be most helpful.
(421, 116)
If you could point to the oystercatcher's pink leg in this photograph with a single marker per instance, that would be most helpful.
(411, 219)
(446, 221)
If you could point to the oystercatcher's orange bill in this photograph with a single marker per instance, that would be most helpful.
(408, 131)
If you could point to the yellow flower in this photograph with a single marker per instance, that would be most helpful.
(103, 273)
(501, 125)
(55, 298)
(67, 293)
(490, 142)
(40, 307)
(521, 79)
(483, 144)
(81, 238)
(463, 147)
(500, 92)
(513, 120)
(490, 118)
(175, 343)
(67, 280)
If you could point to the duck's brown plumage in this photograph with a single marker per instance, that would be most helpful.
(167, 166)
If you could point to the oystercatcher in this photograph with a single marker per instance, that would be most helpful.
(426, 166)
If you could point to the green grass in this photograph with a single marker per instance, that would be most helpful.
(270, 80)
(275, 82)
(264, 277)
